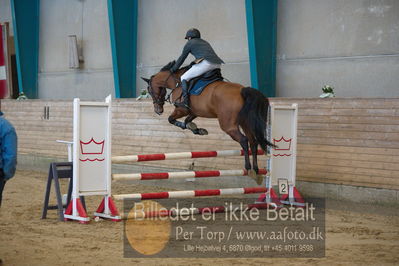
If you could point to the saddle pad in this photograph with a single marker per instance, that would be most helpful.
(201, 84)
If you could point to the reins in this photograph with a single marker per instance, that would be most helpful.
(174, 78)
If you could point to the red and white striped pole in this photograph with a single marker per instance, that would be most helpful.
(179, 155)
(191, 193)
(188, 174)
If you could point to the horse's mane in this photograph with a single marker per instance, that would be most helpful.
(169, 65)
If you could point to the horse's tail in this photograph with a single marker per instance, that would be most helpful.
(253, 115)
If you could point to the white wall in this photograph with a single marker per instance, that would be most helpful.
(163, 25)
(88, 20)
(351, 45)
(5, 14)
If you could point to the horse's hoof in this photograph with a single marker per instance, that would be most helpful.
(198, 131)
(252, 174)
(202, 131)
(192, 126)
(259, 179)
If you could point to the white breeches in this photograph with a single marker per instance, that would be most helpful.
(199, 69)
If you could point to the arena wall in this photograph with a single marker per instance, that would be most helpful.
(340, 141)
(350, 45)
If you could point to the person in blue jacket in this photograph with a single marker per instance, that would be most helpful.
(8, 152)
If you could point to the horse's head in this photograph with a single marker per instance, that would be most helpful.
(158, 83)
(157, 92)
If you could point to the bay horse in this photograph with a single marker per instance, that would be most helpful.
(232, 104)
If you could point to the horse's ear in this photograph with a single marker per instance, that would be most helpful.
(146, 80)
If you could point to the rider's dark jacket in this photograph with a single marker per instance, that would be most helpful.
(199, 48)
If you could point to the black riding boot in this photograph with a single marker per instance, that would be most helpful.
(185, 96)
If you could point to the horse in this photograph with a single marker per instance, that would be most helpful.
(234, 105)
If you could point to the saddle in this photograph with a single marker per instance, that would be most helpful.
(197, 84)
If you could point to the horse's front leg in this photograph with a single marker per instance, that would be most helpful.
(193, 127)
(189, 119)
(178, 113)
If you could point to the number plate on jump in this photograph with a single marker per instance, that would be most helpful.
(283, 185)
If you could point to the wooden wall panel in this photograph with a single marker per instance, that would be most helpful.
(342, 141)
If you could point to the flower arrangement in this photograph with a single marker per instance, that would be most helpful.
(22, 96)
(328, 92)
(143, 95)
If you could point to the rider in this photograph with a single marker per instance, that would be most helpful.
(206, 60)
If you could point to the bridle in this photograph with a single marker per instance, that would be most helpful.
(155, 100)
(161, 100)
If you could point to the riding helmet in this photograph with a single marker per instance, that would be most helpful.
(193, 33)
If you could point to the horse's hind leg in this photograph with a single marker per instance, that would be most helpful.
(236, 135)
(227, 124)
(254, 150)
